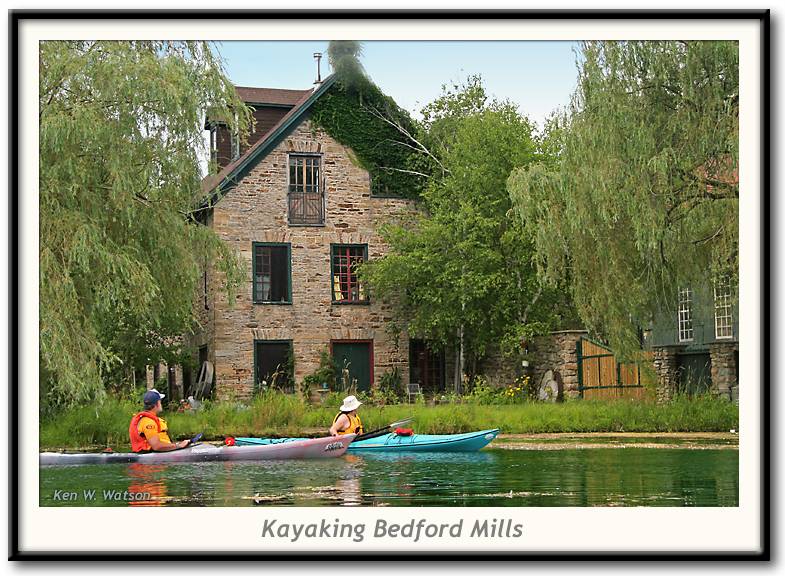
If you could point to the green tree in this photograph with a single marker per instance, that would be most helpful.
(644, 195)
(461, 273)
(121, 125)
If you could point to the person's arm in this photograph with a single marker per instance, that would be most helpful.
(158, 446)
(340, 425)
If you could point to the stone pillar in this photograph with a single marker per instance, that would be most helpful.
(724, 373)
(558, 352)
(666, 365)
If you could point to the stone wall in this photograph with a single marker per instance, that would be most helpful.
(557, 352)
(666, 366)
(256, 210)
(724, 372)
(501, 370)
(204, 310)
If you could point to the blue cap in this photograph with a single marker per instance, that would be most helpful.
(151, 397)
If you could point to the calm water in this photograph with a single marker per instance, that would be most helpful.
(589, 477)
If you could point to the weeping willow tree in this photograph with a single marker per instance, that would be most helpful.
(643, 197)
(121, 125)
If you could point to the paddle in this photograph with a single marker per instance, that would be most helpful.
(381, 431)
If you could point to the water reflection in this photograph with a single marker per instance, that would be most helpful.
(613, 477)
(146, 484)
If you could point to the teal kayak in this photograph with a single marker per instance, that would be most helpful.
(467, 442)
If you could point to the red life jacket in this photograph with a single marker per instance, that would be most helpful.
(138, 442)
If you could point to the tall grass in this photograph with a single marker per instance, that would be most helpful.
(276, 414)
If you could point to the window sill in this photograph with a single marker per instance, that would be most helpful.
(348, 303)
(292, 225)
(273, 303)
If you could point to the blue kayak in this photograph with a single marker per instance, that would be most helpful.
(467, 442)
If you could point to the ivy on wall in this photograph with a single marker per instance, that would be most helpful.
(369, 122)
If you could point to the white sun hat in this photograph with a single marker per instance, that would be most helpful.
(350, 403)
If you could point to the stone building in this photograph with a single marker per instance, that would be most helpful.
(301, 214)
(295, 205)
(696, 344)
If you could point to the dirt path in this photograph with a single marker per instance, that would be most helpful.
(594, 440)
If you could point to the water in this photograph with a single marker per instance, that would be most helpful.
(495, 477)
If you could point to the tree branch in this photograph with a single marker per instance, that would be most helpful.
(420, 146)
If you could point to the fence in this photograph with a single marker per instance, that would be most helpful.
(601, 377)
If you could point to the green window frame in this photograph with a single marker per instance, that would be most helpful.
(288, 383)
(345, 287)
(260, 261)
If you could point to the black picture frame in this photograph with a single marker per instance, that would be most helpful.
(18, 17)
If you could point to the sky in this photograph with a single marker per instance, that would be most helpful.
(537, 76)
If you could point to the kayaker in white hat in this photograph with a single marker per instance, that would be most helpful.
(347, 421)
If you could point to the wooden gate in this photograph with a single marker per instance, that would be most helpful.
(601, 377)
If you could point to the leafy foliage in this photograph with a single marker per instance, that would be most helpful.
(462, 272)
(390, 389)
(359, 115)
(120, 127)
(325, 373)
(643, 197)
(277, 414)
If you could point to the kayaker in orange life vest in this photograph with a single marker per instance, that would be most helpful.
(148, 432)
(347, 421)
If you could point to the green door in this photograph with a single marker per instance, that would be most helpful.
(354, 365)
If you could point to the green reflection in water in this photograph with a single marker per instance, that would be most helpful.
(595, 477)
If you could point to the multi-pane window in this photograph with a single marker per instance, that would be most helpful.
(426, 367)
(273, 365)
(271, 273)
(685, 315)
(306, 198)
(723, 308)
(345, 282)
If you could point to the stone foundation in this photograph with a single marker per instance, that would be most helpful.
(666, 366)
(724, 372)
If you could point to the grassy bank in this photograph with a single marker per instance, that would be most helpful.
(282, 415)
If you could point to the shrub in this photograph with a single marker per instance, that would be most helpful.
(324, 374)
(390, 389)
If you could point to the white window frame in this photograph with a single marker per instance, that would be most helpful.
(723, 309)
(686, 330)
